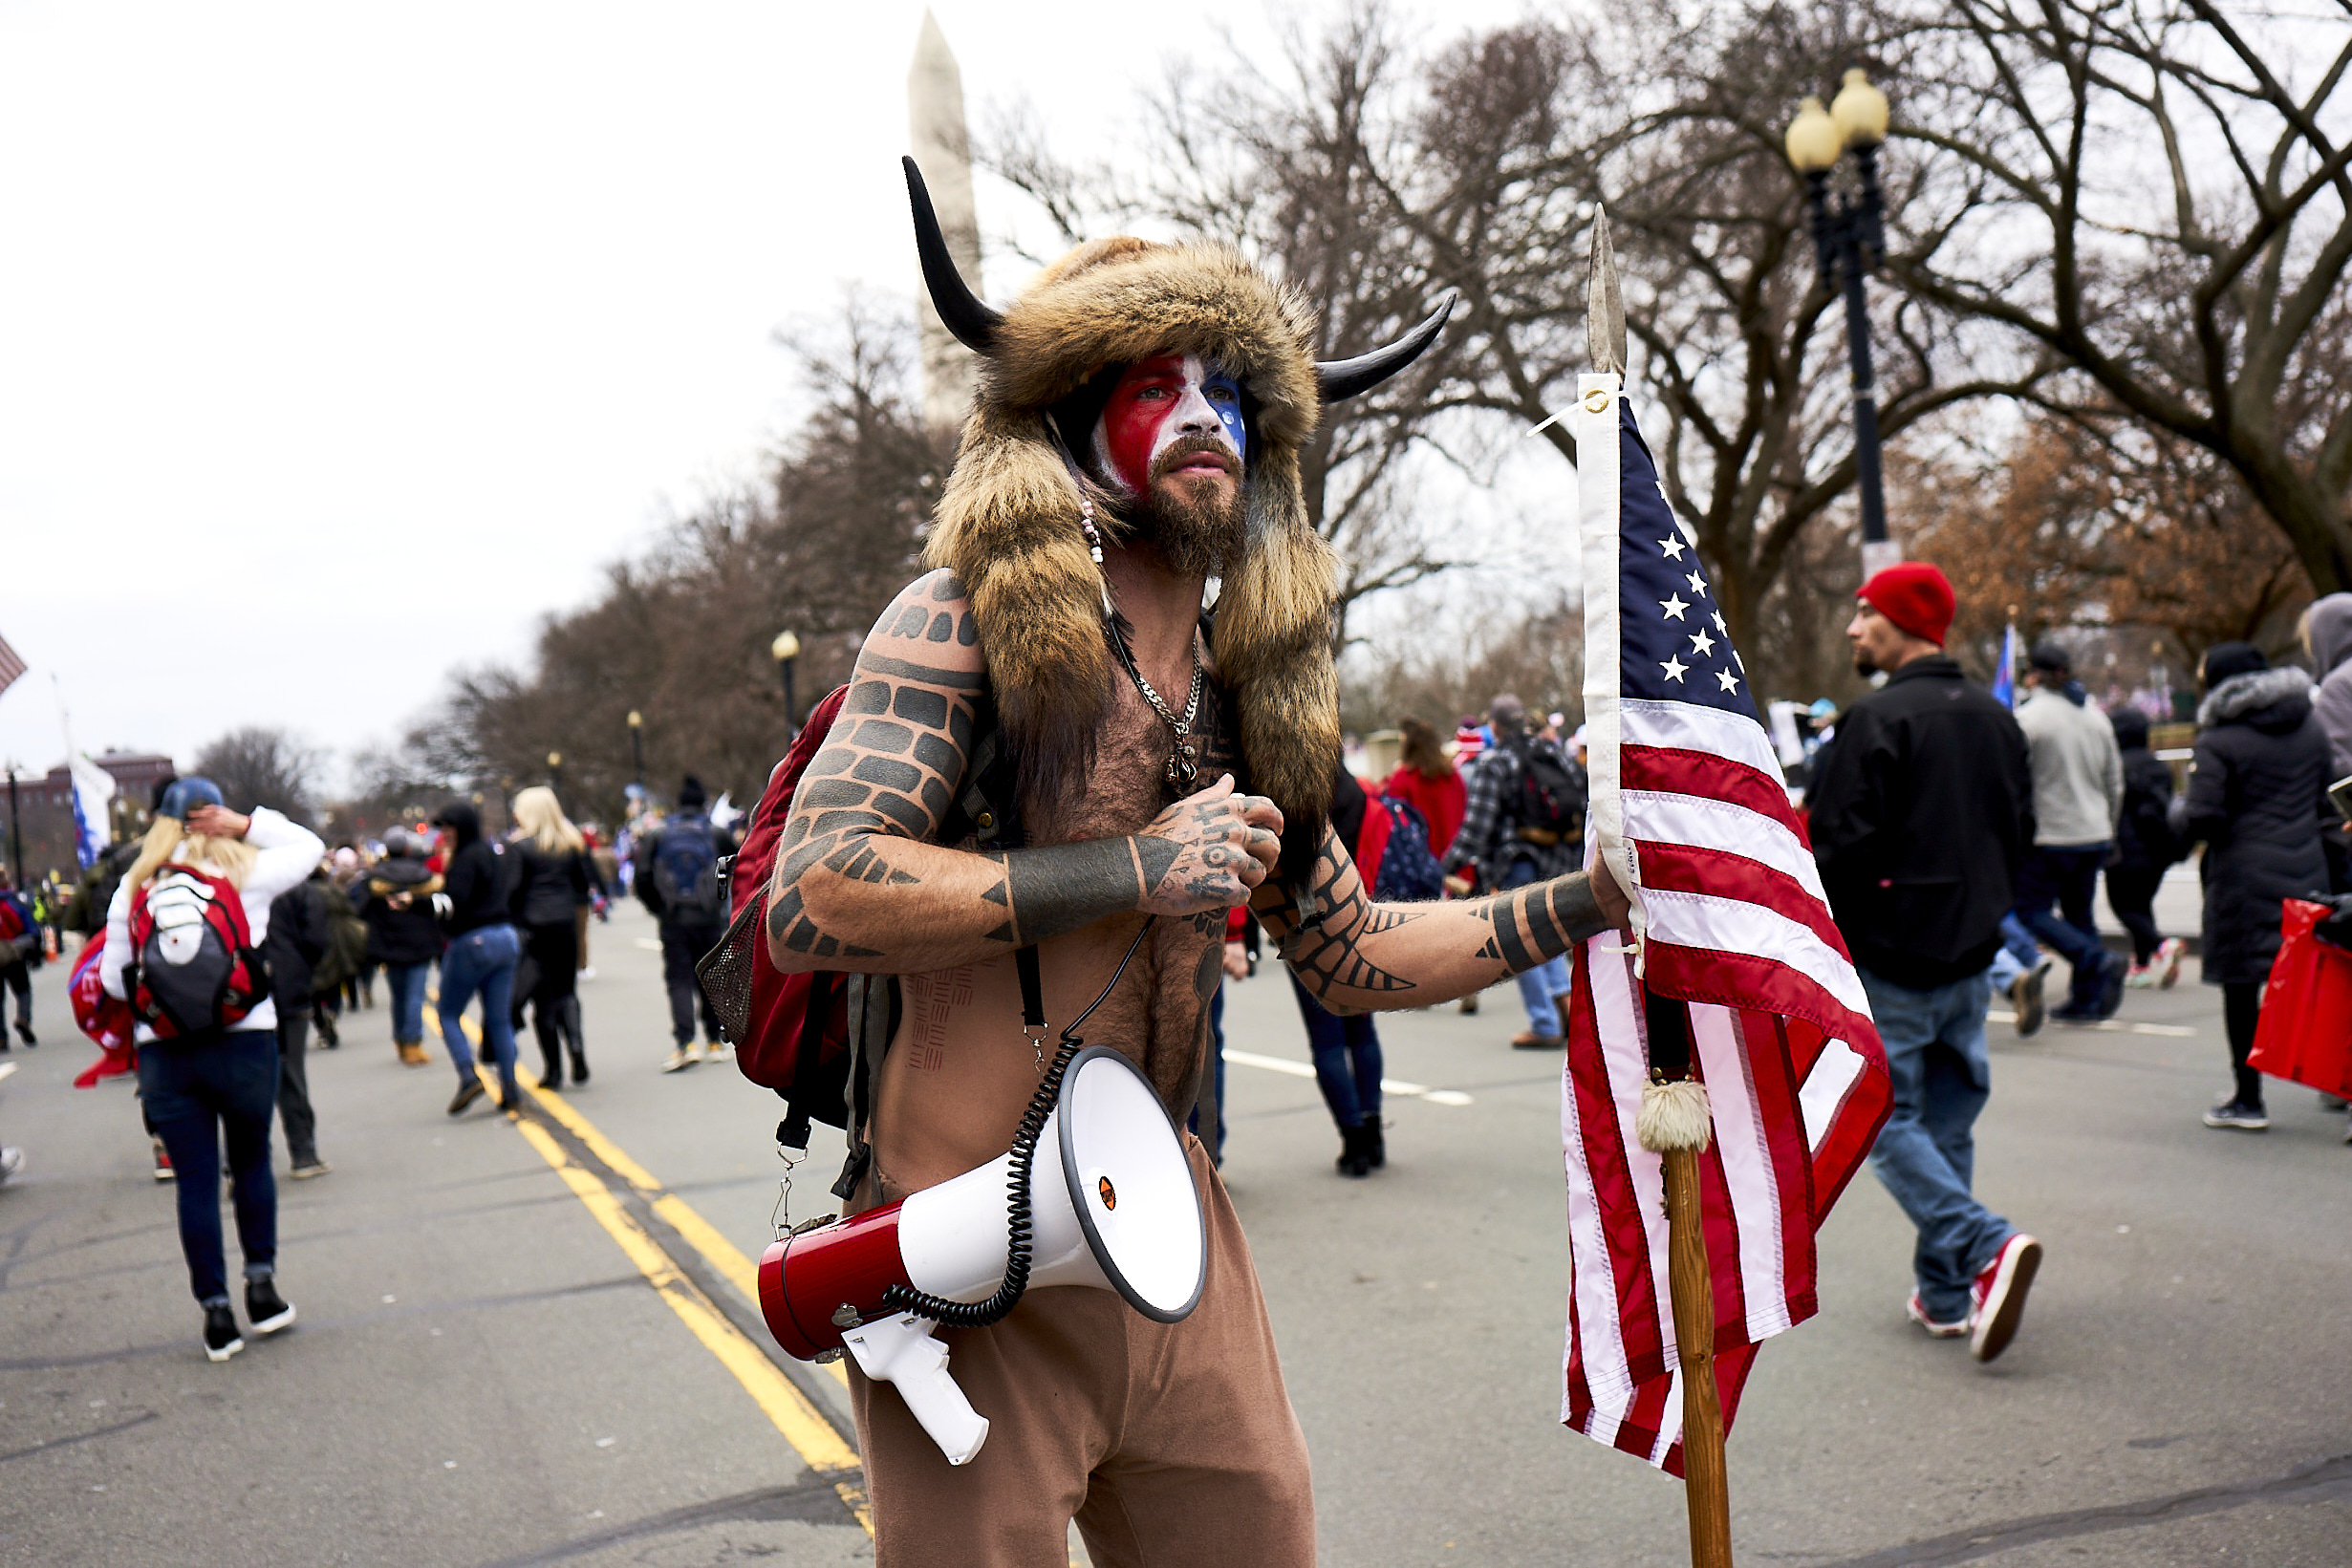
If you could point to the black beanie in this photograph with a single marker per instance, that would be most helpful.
(690, 794)
(2224, 659)
(2130, 728)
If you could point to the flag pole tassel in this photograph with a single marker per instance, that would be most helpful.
(1674, 1122)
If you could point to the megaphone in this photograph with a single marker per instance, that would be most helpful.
(1111, 1204)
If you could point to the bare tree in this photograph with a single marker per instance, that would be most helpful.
(266, 766)
(681, 635)
(2158, 191)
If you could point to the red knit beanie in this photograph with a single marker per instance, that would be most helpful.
(1915, 596)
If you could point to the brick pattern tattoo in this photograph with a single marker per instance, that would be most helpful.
(872, 804)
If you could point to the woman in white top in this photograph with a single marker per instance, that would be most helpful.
(210, 1085)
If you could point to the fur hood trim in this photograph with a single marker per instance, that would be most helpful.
(1009, 523)
(2266, 699)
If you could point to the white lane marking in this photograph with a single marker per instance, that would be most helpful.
(8, 1067)
(2112, 1026)
(1387, 1085)
(649, 944)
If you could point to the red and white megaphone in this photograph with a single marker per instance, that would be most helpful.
(1111, 1204)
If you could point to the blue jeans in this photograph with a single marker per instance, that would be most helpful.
(406, 984)
(192, 1096)
(2068, 878)
(2019, 952)
(483, 960)
(1540, 988)
(1347, 1052)
(1926, 1153)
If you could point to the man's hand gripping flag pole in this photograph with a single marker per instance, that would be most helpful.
(1723, 1070)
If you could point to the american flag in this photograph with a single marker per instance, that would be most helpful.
(1688, 807)
(11, 666)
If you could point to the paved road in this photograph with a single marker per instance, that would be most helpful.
(523, 1344)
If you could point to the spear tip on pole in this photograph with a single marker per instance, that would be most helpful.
(1605, 302)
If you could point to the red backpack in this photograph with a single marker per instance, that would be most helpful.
(791, 1032)
(194, 971)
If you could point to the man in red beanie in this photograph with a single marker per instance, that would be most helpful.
(1922, 808)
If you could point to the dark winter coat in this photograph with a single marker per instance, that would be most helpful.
(2256, 792)
(395, 900)
(2144, 839)
(548, 887)
(298, 937)
(1921, 809)
(475, 878)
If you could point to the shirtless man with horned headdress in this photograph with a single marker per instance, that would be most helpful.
(1136, 433)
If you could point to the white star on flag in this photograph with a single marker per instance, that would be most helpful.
(1701, 643)
(1717, 618)
(1674, 667)
(1699, 584)
(1730, 681)
(1674, 607)
(1673, 548)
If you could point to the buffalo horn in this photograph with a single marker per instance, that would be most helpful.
(960, 311)
(1346, 377)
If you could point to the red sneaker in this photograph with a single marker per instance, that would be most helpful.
(1918, 1312)
(1997, 1298)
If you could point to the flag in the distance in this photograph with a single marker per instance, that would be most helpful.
(2005, 676)
(93, 787)
(1688, 808)
(12, 666)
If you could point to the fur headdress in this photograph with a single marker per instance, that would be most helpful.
(1010, 522)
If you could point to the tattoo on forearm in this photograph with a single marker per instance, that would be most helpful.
(1539, 922)
(1062, 886)
(1329, 950)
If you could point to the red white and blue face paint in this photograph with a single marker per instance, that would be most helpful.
(1158, 402)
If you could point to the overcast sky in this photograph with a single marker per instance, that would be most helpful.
(340, 345)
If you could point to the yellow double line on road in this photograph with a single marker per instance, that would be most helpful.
(819, 1443)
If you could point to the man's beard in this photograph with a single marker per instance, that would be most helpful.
(1194, 529)
(1864, 665)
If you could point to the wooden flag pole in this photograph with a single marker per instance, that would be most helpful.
(1674, 1122)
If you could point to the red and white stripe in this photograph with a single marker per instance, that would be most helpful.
(10, 665)
(1689, 810)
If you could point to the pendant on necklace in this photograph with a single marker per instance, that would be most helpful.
(1183, 764)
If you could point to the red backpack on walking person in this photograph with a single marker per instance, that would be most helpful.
(194, 969)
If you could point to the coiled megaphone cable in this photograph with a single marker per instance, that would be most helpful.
(996, 1307)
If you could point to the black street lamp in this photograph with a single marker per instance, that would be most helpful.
(787, 648)
(637, 743)
(1849, 240)
(555, 771)
(16, 835)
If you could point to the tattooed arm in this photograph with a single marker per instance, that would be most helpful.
(859, 886)
(1359, 956)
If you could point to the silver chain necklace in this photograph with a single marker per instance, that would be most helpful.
(1184, 757)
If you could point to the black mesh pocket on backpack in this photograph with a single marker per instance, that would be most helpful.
(725, 973)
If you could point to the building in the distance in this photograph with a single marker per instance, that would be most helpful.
(44, 809)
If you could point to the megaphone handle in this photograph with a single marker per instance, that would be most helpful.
(900, 1351)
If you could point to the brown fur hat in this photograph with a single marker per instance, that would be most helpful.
(1008, 525)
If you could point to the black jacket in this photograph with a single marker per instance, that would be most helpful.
(2256, 794)
(2142, 841)
(298, 938)
(395, 900)
(548, 887)
(1922, 807)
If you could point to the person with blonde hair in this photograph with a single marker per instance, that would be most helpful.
(553, 876)
(208, 1080)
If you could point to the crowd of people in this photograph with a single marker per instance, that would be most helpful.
(219, 940)
(1961, 843)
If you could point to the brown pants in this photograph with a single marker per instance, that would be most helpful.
(1169, 1442)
